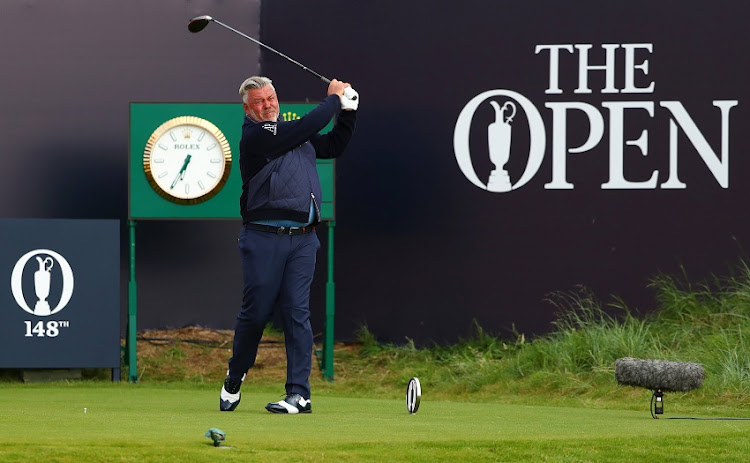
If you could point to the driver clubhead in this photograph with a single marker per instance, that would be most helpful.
(199, 23)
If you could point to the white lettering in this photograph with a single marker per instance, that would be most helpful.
(608, 67)
(554, 65)
(630, 68)
(616, 151)
(635, 80)
(719, 168)
(559, 141)
(673, 183)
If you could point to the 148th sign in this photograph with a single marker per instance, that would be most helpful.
(636, 81)
(60, 305)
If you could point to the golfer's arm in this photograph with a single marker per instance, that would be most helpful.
(334, 143)
(280, 137)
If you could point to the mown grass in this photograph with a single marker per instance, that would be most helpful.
(167, 422)
(486, 398)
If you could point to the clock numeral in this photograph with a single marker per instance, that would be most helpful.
(187, 188)
(215, 160)
(211, 147)
(200, 185)
(163, 174)
(162, 146)
(172, 136)
(159, 160)
(211, 174)
(200, 137)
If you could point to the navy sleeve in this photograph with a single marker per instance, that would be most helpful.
(334, 143)
(271, 139)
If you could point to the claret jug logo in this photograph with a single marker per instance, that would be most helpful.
(635, 81)
(45, 266)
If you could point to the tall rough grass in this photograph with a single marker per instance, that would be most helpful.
(708, 323)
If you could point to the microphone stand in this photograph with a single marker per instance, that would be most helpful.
(657, 408)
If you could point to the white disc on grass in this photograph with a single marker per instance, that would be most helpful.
(413, 395)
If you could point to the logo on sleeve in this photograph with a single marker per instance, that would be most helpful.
(270, 127)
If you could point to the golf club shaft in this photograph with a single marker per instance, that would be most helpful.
(324, 79)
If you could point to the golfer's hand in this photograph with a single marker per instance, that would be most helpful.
(336, 87)
(350, 100)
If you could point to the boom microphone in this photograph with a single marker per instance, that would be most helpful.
(659, 374)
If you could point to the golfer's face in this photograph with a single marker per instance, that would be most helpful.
(262, 104)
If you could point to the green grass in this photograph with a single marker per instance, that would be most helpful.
(166, 423)
(550, 398)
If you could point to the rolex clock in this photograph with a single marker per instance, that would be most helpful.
(187, 160)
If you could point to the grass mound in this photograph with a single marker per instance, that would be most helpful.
(706, 323)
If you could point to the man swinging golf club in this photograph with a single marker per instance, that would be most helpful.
(280, 206)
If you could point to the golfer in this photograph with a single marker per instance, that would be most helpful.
(280, 205)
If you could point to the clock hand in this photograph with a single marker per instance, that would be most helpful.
(181, 173)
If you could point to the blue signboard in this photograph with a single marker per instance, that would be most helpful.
(59, 293)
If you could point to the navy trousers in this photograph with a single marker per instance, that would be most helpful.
(278, 271)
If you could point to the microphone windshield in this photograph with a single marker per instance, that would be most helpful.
(659, 374)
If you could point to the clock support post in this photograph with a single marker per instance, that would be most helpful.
(326, 362)
(131, 360)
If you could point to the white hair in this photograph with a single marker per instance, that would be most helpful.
(252, 83)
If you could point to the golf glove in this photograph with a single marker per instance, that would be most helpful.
(350, 100)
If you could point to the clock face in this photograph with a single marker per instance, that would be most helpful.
(187, 160)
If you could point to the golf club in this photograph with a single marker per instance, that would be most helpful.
(199, 23)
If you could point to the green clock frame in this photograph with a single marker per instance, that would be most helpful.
(145, 203)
